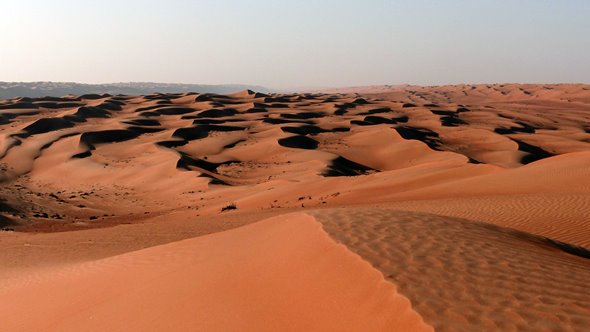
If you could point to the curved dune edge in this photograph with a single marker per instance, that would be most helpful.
(281, 274)
(549, 198)
(463, 275)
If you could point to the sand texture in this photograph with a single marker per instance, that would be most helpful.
(383, 208)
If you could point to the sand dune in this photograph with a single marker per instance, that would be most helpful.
(467, 276)
(233, 148)
(453, 183)
(257, 278)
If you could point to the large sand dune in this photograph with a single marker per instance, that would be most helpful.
(283, 274)
(473, 202)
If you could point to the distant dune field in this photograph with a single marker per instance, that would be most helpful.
(384, 208)
(43, 89)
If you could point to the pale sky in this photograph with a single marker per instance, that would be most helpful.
(286, 44)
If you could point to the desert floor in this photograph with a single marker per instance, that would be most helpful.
(385, 208)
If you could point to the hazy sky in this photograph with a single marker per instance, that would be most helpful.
(295, 43)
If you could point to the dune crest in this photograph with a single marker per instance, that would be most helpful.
(255, 278)
(466, 276)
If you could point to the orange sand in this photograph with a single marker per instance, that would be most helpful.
(472, 200)
(257, 278)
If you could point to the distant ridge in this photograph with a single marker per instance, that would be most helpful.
(41, 89)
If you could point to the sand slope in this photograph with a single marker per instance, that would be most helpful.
(466, 276)
(256, 278)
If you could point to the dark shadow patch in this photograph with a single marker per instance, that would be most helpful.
(524, 128)
(149, 114)
(87, 112)
(119, 101)
(424, 135)
(443, 112)
(303, 115)
(206, 168)
(451, 121)
(174, 110)
(229, 207)
(344, 167)
(360, 101)
(107, 136)
(111, 106)
(284, 121)
(82, 155)
(377, 111)
(45, 125)
(277, 99)
(187, 162)
(278, 105)
(57, 99)
(19, 105)
(198, 119)
(93, 96)
(408, 105)
(5, 208)
(374, 120)
(378, 120)
(202, 131)
(171, 144)
(92, 112)
(217, 113)
(215, 127)
(6, 118)
(304, 130)
(256, 94)
(204, 97)
(299, 142)
(52, 105)
(145, 130)
(233, 145)
(205, 121)
(143, 122)
(569, 248)
(340, 111)
(25, 99)
(191, 133)
(260, 105)
(161, 96)
(401, 119)
(534, 152)
(340, 129)
(147, 108)
(256, 110)
(361, 123)
(214, 180)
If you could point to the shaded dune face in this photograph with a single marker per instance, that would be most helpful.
(95, 159)
(466, 276)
